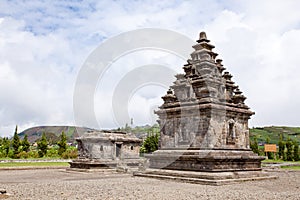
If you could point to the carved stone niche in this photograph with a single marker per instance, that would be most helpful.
(231, 135)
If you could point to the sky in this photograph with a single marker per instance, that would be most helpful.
(44, 44)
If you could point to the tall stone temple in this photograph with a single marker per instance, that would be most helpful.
(204, 133)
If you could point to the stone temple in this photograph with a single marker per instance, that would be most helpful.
(107, 149)
(204, 133)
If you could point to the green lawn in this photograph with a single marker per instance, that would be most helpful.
(279, 161)
(291, 167)
(272, 161)
(34, 164)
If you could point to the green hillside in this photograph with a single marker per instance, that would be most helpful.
(273, 132)
(53, 133)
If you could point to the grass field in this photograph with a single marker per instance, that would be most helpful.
(280, 161)
(34, 164)
(297, 167)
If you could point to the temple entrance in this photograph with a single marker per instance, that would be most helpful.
(118, 150)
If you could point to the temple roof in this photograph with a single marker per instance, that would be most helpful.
(109, 136)
(205, 80)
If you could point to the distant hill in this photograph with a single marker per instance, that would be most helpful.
(273, 132)
(53, 133)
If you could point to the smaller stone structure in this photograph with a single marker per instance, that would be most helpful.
(106, 149)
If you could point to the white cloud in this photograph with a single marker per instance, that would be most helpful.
(143, 94)
(258, 45)
(43, 45)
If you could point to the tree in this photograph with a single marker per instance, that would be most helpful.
(254, 145)
(5, 146)
(296, 151)
(62, 144)
(42, 145)
(127, 128)
(16, 142)
(289, 147)
(150, 144)
(281, 145)
(25, 144)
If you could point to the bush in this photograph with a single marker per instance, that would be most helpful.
(52, 153)
(5, 146)
(254, 145)
(33, 154)
(23, 155)
(2, 155)
(11, 154)
(150, 144)
(70, 153)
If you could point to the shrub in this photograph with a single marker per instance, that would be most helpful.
(5, 146)
(22, 155)
(70, 153)
(11, 154)
(52, 152)
(150, 144)
(254, 145)
(2, 155)
(33, 154)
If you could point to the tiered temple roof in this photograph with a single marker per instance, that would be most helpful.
(205, 81)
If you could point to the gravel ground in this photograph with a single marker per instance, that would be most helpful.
(61, 184)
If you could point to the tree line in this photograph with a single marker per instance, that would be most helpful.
(17, 148)
(288, 150)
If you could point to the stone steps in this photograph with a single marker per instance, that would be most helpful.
(207, 178)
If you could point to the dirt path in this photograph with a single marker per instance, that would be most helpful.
(60, 184)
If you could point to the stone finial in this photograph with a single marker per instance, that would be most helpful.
(238, 97)
(227, 76)
(202, 36)
(219, 61)
(169, 91)
(238, 91)
(220, 65)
